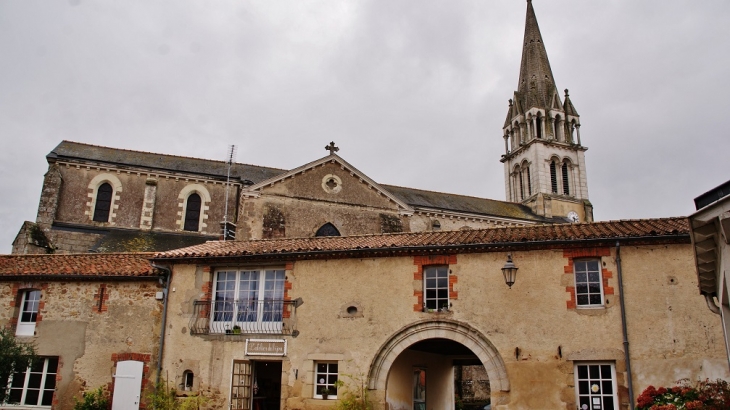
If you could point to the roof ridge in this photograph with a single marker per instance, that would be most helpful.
(169, 155)
(448, 193)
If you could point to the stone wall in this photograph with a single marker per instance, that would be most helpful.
(532, 334)
(85, 327)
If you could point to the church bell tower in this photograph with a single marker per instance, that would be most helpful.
(544, 160)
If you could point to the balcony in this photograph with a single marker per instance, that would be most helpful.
(272, 317)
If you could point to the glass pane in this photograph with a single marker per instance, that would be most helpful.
(582, 299)
(583, 387)
(607, 387)
(606, 371)
(443, 282)
(593, 277)
(593, 370)
(594, 288)
(47, 398)
(431, 293)
(15, 396)
(593, 265)
(50, 383)
(430, 283)
(595, 299)
(31, 397)
(581, 289)
(34, 381)
(331, 379)
(321, 367)
(18, 380)
(333, 367)
(52, 364)
(608, 403)
(580, 277)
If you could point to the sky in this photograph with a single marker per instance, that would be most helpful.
(413, 92)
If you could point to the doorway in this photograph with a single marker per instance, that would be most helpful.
(256, 385)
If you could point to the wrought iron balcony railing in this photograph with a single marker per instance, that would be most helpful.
(244, 317)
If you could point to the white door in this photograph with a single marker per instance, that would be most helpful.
(127, 385)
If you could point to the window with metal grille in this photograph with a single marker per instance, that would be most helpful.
(436, 288)
(250, 300)
(553, 178)
(588, 283)
(326, 376)
(192, 213)
(34, 386)
(596, 386)
(103, 202)
(566, 186)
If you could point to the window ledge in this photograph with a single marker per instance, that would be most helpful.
(591, 310)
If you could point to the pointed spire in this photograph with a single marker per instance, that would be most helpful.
(536, 86)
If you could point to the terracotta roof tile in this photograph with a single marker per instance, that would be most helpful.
(667, 228)
(103, 264)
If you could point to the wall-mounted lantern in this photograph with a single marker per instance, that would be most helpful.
(509, 271)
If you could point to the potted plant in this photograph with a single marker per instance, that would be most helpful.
(236, 330)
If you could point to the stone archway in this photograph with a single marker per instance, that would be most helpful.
(444, 329)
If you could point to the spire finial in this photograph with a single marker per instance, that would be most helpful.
(510, 102)
(566, 92)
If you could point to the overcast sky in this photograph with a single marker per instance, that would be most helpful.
(413, 92)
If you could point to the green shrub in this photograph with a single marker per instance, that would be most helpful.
(93, 400)
(353, 398)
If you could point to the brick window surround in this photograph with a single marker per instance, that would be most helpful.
(582, 253)
(100, 299)
(15, 303)
(420, 262)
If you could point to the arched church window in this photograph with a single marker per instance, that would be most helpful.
(553, 178)
(566, 187)
(522, 186)
(103, 202)
(529, 182)
(192, 213)
(538, 126)
(327, 230)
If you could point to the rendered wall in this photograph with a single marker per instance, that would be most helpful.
(671, 332)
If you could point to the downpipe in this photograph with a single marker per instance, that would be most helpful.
(168, 279)
(712, 305)
(627, 356)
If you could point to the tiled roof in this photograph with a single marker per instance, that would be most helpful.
(418, 198)
(70, 150)
(108, 264)
(667, 229)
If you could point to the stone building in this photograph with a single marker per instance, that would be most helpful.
(104, 199)
(275, 322)
(89, 316)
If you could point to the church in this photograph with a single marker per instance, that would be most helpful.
(263, 288)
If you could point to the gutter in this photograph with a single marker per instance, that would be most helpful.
(168, 279)
(627, 356)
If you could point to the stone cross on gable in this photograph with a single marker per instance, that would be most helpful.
(331, 148)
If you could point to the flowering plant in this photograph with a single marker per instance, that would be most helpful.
(704, 395)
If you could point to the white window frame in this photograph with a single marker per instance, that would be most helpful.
(327, 377)
(41, 386)
(432, 284)
(588, 283)
(251, 315)
(26, 325)
(598, 394)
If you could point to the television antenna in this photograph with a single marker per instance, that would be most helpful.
(230, 158)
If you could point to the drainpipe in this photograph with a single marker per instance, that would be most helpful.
(627, 356)
(712, 305)
(168, 278)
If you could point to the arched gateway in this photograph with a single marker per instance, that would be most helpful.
(438, 329)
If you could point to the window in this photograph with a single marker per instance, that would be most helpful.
(553, 178)
(327, 230)
(192, 213)
(436, 288)
(187, 380)
(588, 283)
(522, 185)
(596, 386)
(35, 385)
(249, 300)
(566, 187)
(28, 313)
(103, 202)
(419, 389)
(325, 378)
(529, 182)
